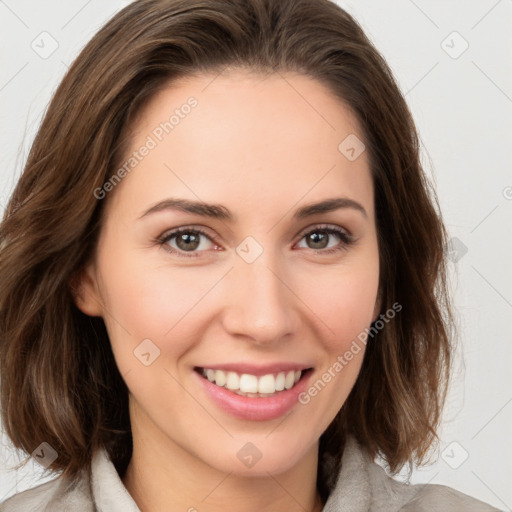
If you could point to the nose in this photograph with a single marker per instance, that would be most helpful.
(260, 303)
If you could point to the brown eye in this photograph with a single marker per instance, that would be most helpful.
(319, 238)
(186, 242)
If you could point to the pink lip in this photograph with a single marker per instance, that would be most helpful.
(257, 370)
(257, 408)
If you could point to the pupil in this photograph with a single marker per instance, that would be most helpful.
(319, 240)
(188, 242)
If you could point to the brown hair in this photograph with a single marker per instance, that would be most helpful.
(60, 382)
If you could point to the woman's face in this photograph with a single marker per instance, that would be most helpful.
(255, 289)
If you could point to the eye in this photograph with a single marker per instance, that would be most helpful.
(188, 242)
(320, 237)
(185, 241)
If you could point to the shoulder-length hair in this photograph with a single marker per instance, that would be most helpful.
(59, 380)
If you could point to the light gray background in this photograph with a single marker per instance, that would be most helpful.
(462, 103)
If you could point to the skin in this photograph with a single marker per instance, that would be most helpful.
(262, 147)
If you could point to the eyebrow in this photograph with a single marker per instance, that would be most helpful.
(218, 211)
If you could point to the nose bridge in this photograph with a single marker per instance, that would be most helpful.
(260, 305)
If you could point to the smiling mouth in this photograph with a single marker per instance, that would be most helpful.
(253, 386)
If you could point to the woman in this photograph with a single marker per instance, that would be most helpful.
(302, 332)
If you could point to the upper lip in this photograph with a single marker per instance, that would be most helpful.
(258, 370)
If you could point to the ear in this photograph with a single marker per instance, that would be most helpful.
(84, 289)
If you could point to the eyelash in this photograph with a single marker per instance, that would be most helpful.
(346, 239)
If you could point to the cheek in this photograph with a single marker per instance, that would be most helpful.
(344, 301)
(147, 298)
(345, 311)
(151, 301)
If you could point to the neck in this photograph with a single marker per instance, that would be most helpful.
(163, 476)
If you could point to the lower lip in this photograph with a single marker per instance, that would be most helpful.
(257, 408)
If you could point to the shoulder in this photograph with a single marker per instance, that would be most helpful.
(56, 495)
(419, 497)
(363, 485)
(439, 497)
(101, 488)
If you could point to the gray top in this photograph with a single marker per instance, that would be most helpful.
(362, 486)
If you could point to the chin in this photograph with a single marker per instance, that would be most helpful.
(259, 455)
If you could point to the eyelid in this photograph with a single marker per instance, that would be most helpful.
(209, 233)
(200, 229)
(333, 229)
(169, 234)
(320, 226)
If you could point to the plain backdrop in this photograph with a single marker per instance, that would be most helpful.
(452, 60)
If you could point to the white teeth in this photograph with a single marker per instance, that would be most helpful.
(267, 384)
(232, 380)
(280, 381)
(289, 381)
(220, 378)
(251, 385)
(248, 383)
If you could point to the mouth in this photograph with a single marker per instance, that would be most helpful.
(254, 386)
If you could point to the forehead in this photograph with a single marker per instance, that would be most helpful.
(258, 106)
(274, 138)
